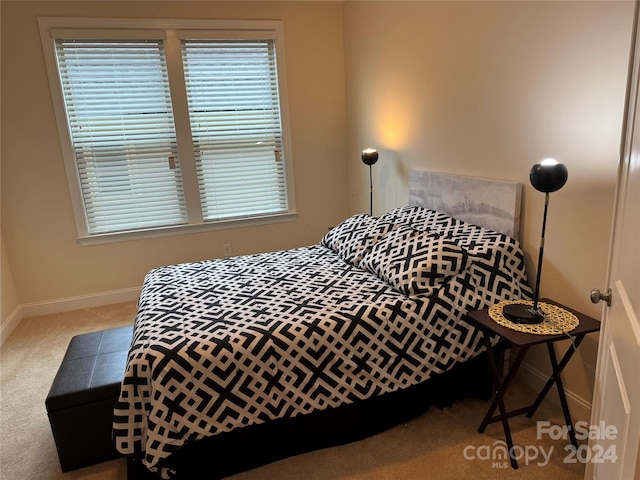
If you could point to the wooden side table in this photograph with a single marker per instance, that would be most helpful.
(489, 328)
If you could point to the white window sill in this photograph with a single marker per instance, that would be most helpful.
(103, 238)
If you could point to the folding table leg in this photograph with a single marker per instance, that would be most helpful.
(499, 399)
(556, 378)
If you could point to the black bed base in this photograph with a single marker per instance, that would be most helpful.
(250, 447)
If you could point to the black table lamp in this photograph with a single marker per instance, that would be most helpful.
(369, 157)
(547, 176)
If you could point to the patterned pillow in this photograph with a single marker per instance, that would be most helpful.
(420, 218)
(355, 236)
(414, 261)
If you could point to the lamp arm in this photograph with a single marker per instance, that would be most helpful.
(539, 273)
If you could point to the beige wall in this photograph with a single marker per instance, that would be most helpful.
(488, 89)
(37, 220)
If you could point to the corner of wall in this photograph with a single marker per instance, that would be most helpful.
(9, 324)
(9, 303)
(65, 305)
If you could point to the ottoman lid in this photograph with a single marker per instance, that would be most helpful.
(92, 369)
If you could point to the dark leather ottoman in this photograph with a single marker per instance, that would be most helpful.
(84, 392)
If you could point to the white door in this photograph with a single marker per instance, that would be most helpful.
(615, 423)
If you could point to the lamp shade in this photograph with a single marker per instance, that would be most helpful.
(548, 176)
(369, 156)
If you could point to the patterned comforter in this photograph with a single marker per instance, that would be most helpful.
(375, 307)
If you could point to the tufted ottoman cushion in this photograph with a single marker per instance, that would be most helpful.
(84, 392)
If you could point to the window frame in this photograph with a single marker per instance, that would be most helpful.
(170, 31)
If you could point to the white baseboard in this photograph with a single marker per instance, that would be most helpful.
(65, 305)
(579, 407)
(10, 323)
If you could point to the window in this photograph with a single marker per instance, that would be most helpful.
(170, 129)
(235, 120)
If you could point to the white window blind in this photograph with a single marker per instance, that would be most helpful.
(120, 120)
(170, 126)
(234, 109)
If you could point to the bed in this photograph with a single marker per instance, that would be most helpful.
(239, 361)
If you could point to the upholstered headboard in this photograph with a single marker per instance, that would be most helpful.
(493, 204)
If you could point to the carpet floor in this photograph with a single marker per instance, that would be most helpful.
(440, 444)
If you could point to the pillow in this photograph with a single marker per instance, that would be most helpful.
(422, 218)
(415, 262)
(355, 236)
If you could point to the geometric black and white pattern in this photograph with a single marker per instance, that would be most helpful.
(414, 261)
(355, 236)
(223, 344)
